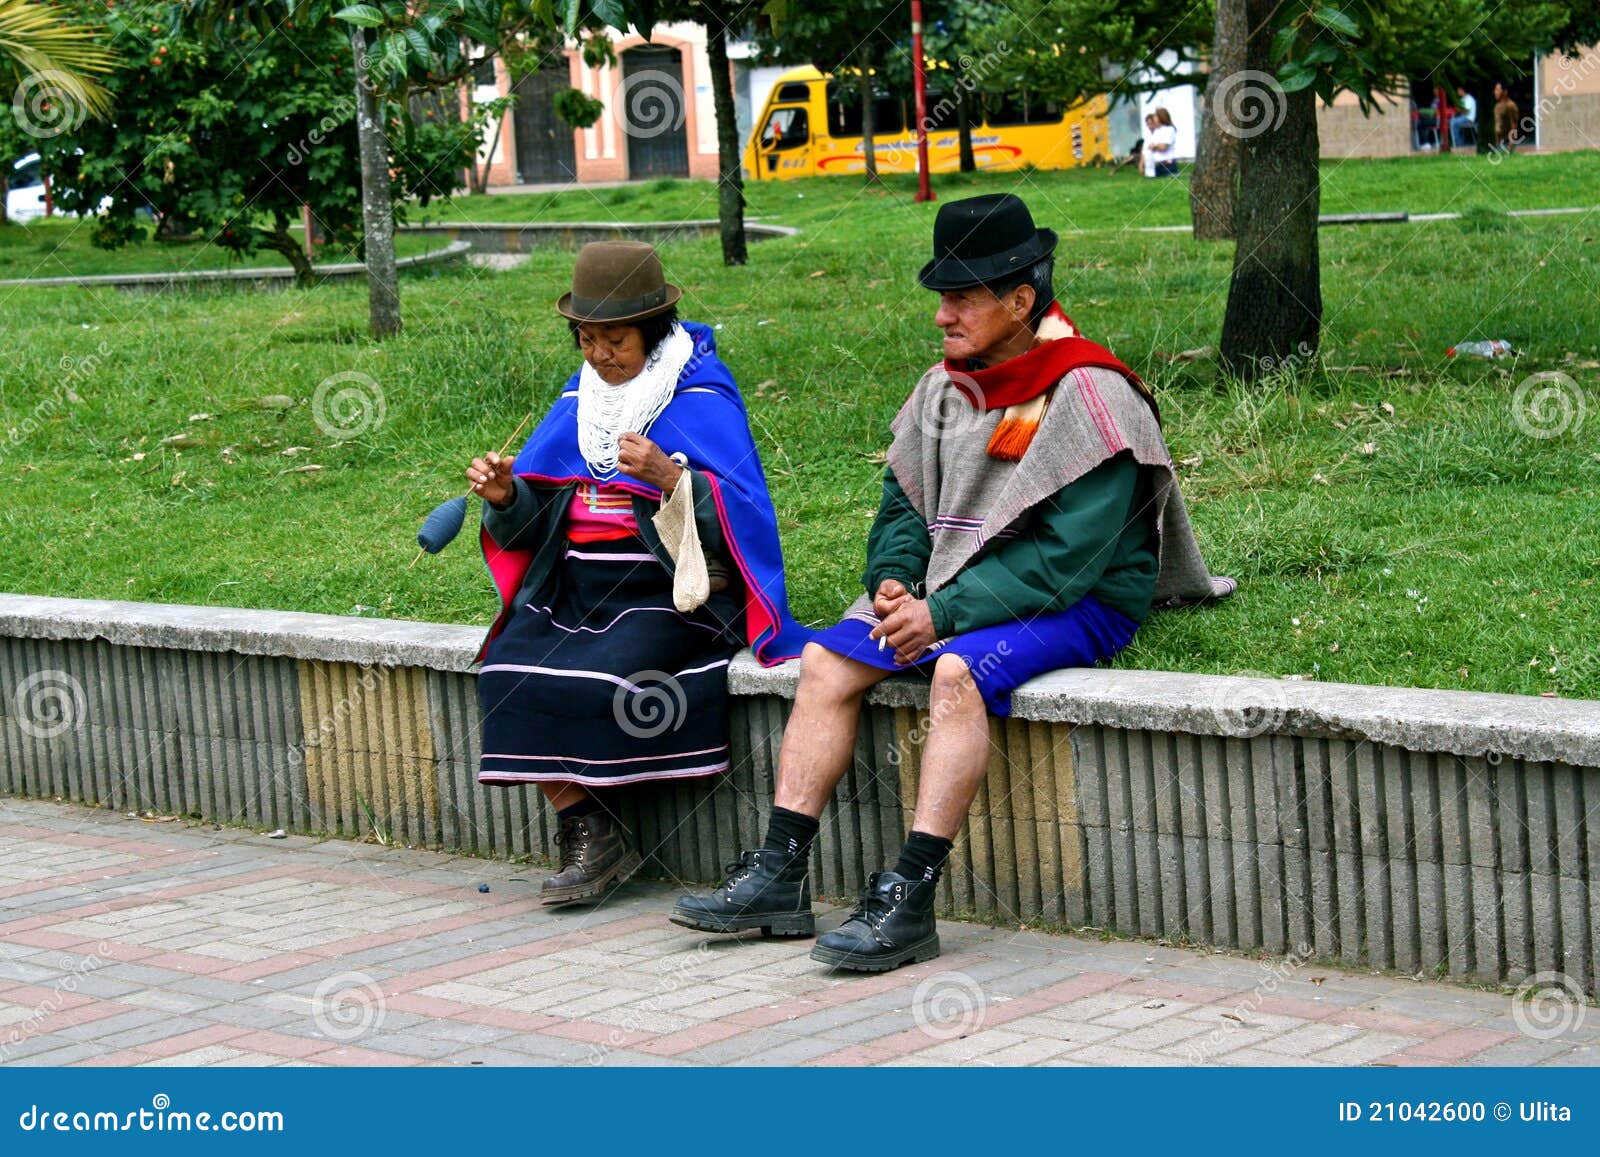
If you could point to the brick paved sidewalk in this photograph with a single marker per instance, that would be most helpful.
(125, 942)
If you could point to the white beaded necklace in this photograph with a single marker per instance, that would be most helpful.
(606, 411)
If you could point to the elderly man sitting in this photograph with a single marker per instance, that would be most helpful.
(1029, 520)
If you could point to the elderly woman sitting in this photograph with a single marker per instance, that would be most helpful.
(635, 548)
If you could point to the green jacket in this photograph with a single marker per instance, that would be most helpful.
(1094, 537)
(535, 518)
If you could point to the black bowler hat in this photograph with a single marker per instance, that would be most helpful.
(982, 240)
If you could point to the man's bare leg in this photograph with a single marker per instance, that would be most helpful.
(820, 738)
(769, 888)
(955, 757)
(894, 924)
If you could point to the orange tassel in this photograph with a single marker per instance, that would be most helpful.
(1011, 439)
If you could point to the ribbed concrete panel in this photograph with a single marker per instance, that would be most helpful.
(1470, 850)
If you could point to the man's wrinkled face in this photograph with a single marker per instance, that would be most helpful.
(976, 323)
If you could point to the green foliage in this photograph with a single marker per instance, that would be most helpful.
(231, 136)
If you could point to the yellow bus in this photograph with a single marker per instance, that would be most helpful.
(811, 126)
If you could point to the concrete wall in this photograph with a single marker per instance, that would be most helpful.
(1567, 113)
(1441, 832)
(1345, 131)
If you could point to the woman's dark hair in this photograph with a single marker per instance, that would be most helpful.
(651, 329)
(1041, 275)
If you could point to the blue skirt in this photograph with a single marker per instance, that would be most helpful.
(1002, 657)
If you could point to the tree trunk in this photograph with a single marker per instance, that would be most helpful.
(377, 201)
(279, 241)
(969, 163)
(1213, 186)
(1274, 310)
(868, 152)
(730, 174)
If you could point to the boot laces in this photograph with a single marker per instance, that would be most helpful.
(573, 840)
(739, 870)
(874, 907)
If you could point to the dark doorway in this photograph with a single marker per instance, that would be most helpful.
(543, 140)
(649, 105)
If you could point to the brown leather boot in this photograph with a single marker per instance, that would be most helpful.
(595, 857)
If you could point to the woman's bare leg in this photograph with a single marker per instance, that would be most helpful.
(564, 794)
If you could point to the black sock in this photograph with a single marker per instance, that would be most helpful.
(588, 805)
(923, 856)
(791, 832)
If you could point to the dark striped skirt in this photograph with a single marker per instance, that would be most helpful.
(603, 681)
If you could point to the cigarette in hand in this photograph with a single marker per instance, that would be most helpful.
(882, 639)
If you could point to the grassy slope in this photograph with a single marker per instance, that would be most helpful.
(1460, 552)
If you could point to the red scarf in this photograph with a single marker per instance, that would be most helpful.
(1031, 374)
(1016, 385)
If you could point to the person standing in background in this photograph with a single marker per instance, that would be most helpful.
(1506, 113)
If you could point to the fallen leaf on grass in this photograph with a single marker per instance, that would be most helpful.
(181, 441)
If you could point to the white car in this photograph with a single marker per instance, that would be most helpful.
(25, 198)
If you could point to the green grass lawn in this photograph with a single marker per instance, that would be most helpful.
(1387, 517)
(60, 247)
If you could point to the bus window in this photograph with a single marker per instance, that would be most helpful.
(844, 112)
(941, 110)
(797, 91)
(888, 116)
(1020, 108)
(786, 128)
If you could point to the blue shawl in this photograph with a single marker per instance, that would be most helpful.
(705, 421)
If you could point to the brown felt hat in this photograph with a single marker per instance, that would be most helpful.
(617, 281)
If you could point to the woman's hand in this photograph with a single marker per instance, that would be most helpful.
(491, 479)
(642, 459)
(909, 629)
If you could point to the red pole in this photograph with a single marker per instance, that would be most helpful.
(919, 85)
(49, 200)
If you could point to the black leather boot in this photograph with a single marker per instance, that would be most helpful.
(765, 889)
(892, 925)
(595, 857)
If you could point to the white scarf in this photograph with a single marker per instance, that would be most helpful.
(606, 411)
